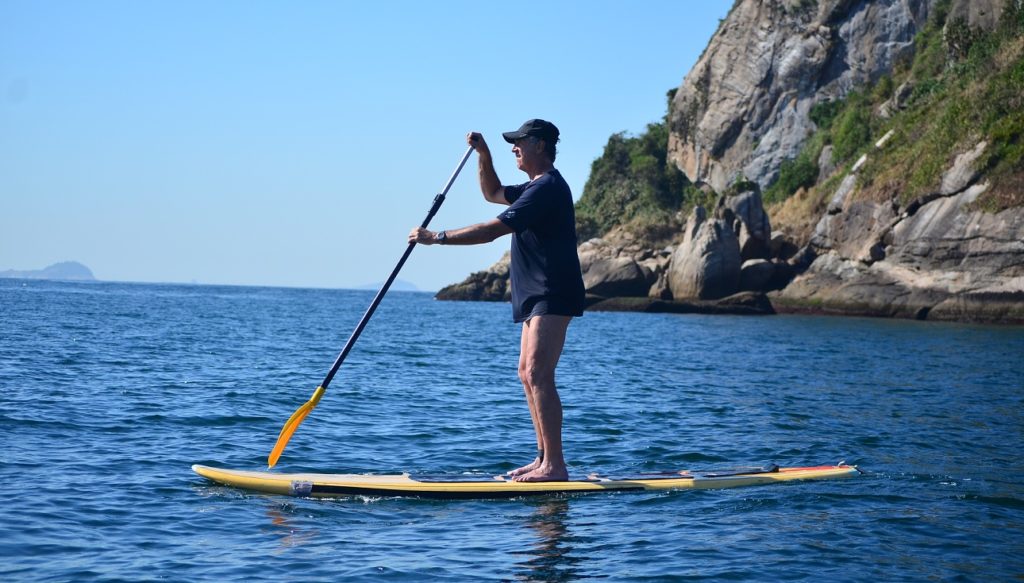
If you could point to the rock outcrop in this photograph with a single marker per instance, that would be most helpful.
(489, 285)
(756, 274)
(616, 277)
(939, 258)
(706, 265)
(744, 107)
(617, 265)
(753, 227)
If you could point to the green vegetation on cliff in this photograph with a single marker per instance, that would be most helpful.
(634, 186)
(962, 86)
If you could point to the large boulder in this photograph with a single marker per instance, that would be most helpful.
(616, 277)
(964, 171)
(753, 228)
(594, 250)
(857, 232)
(660, 289)
(948, 234)
(706, 265)
(835, 285)
(756, 274)
(617, 264)
(489, 285)
(782, 247)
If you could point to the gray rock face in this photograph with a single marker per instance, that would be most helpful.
(843, 286)
(838, 201)
(937, 232)
(855, 232)
(826, 162)
(616, 277)
(782, 247)
(756, 274)
(660, 290)
(983, 14)
(945, 235)
(898, 101)
(938, 258)
(744, 106)
(617, 266)
(754, 229)
(490, 285)
(706, 265)
(963, 172)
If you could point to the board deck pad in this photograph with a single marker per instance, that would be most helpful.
(481, 486)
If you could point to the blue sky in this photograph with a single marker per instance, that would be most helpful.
(297, 143)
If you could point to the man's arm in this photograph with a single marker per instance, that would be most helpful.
(489, 183)
(471, 235)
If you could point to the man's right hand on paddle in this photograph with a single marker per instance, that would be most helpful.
(423, 236)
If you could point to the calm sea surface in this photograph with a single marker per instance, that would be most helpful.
(109, 392)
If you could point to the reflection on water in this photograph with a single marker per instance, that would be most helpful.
(290, 531)
(550, 558)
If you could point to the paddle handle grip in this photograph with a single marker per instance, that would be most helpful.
(438, 201)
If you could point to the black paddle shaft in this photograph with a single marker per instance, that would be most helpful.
(438, 200)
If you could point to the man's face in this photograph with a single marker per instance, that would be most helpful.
(528, 152)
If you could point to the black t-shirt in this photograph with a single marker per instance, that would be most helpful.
(545, 270)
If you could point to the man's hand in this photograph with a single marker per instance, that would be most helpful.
(490, 186)
(476, 139)
(422, 236)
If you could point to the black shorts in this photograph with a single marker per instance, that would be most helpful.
(547, 306)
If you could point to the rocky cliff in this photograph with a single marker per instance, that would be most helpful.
(745, 106)
(858, 157)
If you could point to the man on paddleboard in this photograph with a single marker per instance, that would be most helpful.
(547, 285)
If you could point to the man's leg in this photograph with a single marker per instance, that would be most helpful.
(523, 350)
(543, 339)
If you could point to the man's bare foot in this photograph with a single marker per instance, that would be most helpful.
(525, 469)
(544, 473)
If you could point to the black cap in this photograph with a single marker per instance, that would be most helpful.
(537, 128)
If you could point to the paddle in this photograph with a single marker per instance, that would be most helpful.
(300, 414)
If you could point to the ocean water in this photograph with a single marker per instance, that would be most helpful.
(109, 392)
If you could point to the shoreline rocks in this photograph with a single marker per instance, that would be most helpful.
(741, 304)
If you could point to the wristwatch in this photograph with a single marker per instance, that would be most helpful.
(442, 237)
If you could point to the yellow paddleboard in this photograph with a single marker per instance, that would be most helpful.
(337, 485)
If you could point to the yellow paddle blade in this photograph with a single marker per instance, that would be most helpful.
(291, 425)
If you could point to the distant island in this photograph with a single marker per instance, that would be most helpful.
(65, 271)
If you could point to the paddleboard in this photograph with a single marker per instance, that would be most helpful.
(449, 487)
